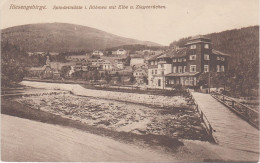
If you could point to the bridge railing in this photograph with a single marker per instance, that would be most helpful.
(203, 118)
(245, 112)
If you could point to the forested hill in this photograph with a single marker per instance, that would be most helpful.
(61, 37)
(241, 44)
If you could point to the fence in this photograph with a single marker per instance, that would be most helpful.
(203, 118)
(245, 112)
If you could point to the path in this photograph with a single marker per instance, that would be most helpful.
(230, 130)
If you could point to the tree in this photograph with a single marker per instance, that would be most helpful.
(145, 79)
(65, 70)
(13, 63)
(96, 75)
(108, 77)
(132, 78)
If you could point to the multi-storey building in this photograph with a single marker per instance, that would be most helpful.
(184, 65)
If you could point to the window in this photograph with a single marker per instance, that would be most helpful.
(180, 69)
(206, 68)
(155, 71)
(206, 46)
(162, 72)
(222, 68)
(184, 69)
(162, 65)
(152, 62)
(174, 60)
(184, 59)
(222, 59)
(192, 68)
(174, 69)
(179, 59)
(193, 47)
(218, 68)
(218, 58)
(206, 57)
(192, 57)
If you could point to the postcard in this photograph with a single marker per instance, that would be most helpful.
(129, 81)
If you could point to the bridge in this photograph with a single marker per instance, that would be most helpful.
(228, 129)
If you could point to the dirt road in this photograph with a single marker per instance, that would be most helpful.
(26, 140)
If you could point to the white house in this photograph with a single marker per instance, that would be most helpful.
(97, 53)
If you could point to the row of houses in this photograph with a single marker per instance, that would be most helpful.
(184, 65)
(176, 66)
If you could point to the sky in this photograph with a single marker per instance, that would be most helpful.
(180, 18)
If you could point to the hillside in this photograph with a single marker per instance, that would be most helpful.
(60, 37)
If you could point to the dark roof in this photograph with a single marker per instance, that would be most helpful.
(175, 53)
(199, 37)
(171, 53)
(219, 53)
(183, 74)
(155, 56)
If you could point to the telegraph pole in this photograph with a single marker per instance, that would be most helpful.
(209, 78)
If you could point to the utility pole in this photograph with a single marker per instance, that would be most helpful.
(209, 77)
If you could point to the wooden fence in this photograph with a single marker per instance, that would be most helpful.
(203, 118)
(245, 112)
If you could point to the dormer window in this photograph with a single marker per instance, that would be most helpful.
(218, 58)
(174, 60)
(155, 62)
(184, 59)
(179, 59)
(152, 62)
(193, 47)
(222, 59)
(206, 46)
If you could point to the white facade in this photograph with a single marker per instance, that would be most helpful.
(97, 53)
(136, 61)
(121, 52)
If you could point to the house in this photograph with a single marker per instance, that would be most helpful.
(136, 60)
(139, 75)
(184, 65)
(106, 65)
(42, 72)
(97, 53)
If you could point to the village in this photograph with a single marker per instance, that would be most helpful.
(158, 69)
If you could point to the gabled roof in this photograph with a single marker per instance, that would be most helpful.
(175, 53)
(154, 57)
(219, 53)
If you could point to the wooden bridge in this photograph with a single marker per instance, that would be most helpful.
(228, 129)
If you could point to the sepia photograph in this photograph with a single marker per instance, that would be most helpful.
(129, 81)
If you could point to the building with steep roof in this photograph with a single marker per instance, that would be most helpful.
(184, 65)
